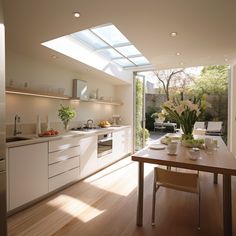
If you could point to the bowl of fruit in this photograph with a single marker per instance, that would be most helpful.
(49, 133)
(104, 124)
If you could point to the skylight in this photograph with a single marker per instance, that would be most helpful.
(108, 42)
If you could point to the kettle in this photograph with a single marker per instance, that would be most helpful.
(89, 124)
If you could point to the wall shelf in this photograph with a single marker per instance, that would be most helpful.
(115, 103)
(37, 93)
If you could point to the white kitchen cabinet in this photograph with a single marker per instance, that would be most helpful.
(105, 160)
(63, 162)
(122, 143)
(27, 173)
(88, 156)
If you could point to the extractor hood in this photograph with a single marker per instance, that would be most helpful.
(79, 89)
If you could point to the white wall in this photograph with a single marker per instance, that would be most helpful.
(124, 93)
(232, 116)
(39, 75)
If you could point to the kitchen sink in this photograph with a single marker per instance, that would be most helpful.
(15, 138)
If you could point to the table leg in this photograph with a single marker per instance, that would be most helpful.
(215, 178)
(140, 195)
(227, 205)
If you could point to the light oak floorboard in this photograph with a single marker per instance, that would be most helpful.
(105, 204)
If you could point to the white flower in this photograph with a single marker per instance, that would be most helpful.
(198, 112)
(180, 109)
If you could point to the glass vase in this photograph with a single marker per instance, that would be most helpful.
(66, 125)
(187, 131)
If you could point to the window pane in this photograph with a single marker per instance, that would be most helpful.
(109, 53)
(89, 39)
(139, 61)
(128, 51)
(123, 62)
(110, 34)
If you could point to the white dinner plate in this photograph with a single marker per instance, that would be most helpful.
(157, 146)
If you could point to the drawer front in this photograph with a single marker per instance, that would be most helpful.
(63, 179)
(63, 155)
(63, 166)
(61, 144)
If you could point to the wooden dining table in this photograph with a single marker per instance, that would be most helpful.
(218, 161)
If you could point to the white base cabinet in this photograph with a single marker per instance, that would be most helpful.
(27, 173)
(122, 143)
(37, 169)
(63, 162)
(88, 156)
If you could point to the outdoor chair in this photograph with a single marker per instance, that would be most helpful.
(199, 125)
(199, 128)
(158, 124)
(186, 182)
(214, 128)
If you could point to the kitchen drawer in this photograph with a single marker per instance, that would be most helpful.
(61, 144)
(63, 155)
(63, 179)
(63, 166)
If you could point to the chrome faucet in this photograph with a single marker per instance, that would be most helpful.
(17, 120)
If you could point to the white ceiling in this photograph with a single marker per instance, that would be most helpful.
(206, 28)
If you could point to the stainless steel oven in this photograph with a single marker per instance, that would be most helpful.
(104, 144)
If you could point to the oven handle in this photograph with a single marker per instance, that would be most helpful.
(104, 140)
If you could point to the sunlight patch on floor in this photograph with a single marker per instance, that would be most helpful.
(123, 173)
(74, 207)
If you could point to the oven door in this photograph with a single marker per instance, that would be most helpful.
(104, 145)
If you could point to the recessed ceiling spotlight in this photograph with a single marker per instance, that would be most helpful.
(54, 57)
(226, 59)
(173, 34)
(178, 54)
(76, 14)
(181, 63)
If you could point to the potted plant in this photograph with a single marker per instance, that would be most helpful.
(66, 113)
(159, 117)
(154, 115)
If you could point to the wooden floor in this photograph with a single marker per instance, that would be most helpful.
(105, 205)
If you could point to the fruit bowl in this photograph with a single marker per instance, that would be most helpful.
(105, 126)
(49, 133)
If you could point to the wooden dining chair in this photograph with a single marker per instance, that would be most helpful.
(187, 182)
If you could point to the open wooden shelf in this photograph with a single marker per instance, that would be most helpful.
(102, 102)
(37, 93)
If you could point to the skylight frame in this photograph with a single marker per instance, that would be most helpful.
(115, 46)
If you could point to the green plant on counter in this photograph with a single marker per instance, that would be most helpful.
(66, 113)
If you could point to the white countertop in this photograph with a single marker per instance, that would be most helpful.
(81, 134)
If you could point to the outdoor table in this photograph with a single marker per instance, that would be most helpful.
(219, 161)
(163, 125)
